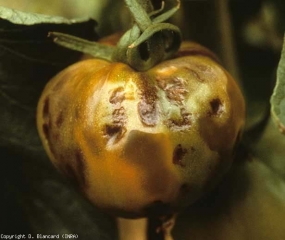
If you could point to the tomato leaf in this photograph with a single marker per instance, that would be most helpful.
(278, 96)
(28, 60)
(18, 17)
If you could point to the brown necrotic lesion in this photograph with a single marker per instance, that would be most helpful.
(115, 130)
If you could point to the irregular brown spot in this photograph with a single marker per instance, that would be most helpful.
(216, 107)
(80, 167)
(59, 119)
(147, 107)
(178, 154)
(117, 96)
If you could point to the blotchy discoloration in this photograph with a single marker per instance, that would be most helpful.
(178, 155)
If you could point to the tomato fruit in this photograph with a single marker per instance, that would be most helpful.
(141, 142)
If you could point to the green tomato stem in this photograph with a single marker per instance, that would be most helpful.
(92, 48)
(147, 43)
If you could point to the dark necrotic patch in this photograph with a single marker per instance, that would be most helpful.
(178, 154)
(216, 107)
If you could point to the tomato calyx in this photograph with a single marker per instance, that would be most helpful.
(149, 41)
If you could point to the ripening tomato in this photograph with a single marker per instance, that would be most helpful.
(140, 143)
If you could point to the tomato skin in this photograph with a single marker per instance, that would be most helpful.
(133, 140)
